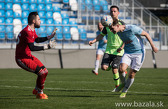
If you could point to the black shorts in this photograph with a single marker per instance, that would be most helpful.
(112, 60)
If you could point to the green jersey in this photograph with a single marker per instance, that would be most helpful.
(113, 41)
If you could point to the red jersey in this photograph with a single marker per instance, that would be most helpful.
(25, 36)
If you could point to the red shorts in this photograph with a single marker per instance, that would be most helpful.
(29, 64)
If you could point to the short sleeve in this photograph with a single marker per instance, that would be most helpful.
(137, 30)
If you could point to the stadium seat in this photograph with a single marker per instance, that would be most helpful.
(2, 36)
(25, 14)
(97, 8)
(9, 1)
(65, 1)
(59, 29)
(49, 14)
(9, 28)
(33, 7)
(64, 15)
(48, 1)
(74, 33)
(17, 15)
(49, 21)
(40, 1)
(9, 13)
(82, 33)
(105, 8)
(2, 20)
(2, 13)
(32, 1)
(42, 14)
(41, 7)
(96, 5)
(42, 35)
(57, 17)
(9, 6)
(24, 1)
(48, 7)
(59, 36)
(88, 2)
(16, 1)
(66, 33)
(25, 6)
(2, 28)
(24, 21)
(57, 22)
(56, 9)
(65, 21)
(43, 21)
(73, 24)
(50, 30)
(9, 20)
(42, 29)
(10, 36)
(2, 5)
(73, 4)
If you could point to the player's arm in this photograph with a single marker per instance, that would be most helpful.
(144, 33)
(37, 48)
(41, 39)
(99, 37)
(121, 48)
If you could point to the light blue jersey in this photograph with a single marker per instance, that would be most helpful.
(131, 36)
(101, 44)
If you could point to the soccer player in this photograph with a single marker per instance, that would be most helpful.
(113, 53)
(23, 56)
(100, 50)
(134, 52)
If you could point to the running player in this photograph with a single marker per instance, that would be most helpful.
(113, 53)
(23, 56)
(134, 52)
(100, 50)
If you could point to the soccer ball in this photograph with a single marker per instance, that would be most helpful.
(106, 20)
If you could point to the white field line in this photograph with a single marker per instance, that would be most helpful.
(96, 90)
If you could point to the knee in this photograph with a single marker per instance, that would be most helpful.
(104, 67)
(121, 70)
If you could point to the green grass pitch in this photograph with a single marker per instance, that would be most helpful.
(80, 89)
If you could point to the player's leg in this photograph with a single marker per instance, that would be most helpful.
(105, 65)
(137, 60)
(115, 65)
(99, 54)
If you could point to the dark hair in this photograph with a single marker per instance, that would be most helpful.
(113, 6)
(115, 22)
(31, 17)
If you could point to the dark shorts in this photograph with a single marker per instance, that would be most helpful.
(112, 60)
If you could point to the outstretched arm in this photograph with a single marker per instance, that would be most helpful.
(99, 37)
(150, 41)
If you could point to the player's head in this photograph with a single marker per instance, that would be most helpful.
(100, 26)
(34, 18)
(114, 12)
(115, 26)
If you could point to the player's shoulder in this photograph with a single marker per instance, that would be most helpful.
(121, 22)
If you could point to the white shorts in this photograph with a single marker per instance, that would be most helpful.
(135, 61)
(100, 51)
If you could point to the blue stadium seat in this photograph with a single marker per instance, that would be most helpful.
(88, 2)
(42, 29)
(59, 36)
(9, 28)
(96, 5)
(9, 13)
(64, 15)
(24, 21)
(66, 29)
(2, 36)
(48, 7)
(43, 21)
(41, 7)
(56, 8)
(59, 29)
(10, 36)
(49, 21)
(50, 30)
(65, 21)
(2, 5)
(24, 1)
(103, 2)
(48, 1)
(2, 28)
(105, 8)
(32, 1)
(2, 20)
(82, 33)
(56, 22)
(40, 1)
(73, 24)
(65, 1)
(16, 1)
(66, 33)
(9, 20)
(97, 8)
(49, 14)
(17, 15)
(8, 1)
(25, 14)
(2, 13)
(25, 6)
(33, 7)
(9, 6)
(42, 14)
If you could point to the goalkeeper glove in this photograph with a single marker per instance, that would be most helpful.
(52, 35)
(51, 44)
